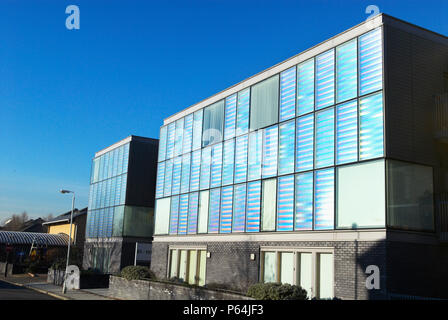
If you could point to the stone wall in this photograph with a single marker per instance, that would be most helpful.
(153, 290)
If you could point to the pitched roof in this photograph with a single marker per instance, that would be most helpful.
(65, 217)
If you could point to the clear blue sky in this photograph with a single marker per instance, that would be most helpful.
(65, 94)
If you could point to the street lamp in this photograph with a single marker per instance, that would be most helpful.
(69, 236)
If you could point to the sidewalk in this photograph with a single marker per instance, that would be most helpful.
(38, 283)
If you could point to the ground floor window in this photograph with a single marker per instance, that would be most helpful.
(188, 264)
(312, 269)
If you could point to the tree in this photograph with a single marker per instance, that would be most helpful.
(16, 221)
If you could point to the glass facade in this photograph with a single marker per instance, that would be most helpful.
(267, 158)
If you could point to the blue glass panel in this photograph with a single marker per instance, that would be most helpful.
(347, 132)
(195, 170)
(230, 117)
(185, 182)
(160, 179)
(183, 214)
(241, 159)
(239, 208)
(285, 203)
(178, 137)
(228, 161)
(305, 87)
(109, 222)
(325, 79)
(125, 157)
(286, 147)
(305, 143)
(253, 206)
(242, 118)
(170, 140)
(254, 155)
(177, 169)
(371, 127)
(206, 167)
(162, 143)
(197, 129)
(270, 151)
(168, 178)
(216, 172)
(174, 215)
(213, 218)
(188, 134)
(325, 138)
(347, 71)
(370, 62)
(304, 201)
(288, 94)
(226, 210)
(324, 199)
(193, 213)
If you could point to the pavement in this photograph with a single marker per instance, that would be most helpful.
(39, 284)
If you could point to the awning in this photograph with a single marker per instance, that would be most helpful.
(16, 237)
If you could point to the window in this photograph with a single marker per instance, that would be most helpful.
(270, 150)
(168, 177)
(185, 181)
(177, 170)
(241, 159)
(178, 137)
(370, 62)
(213, 123)
(183, 214)
(162, 205)
(206, 168)
(230, 117)
(203, 211)
(312, 269)
(347, 132)
(304, 201)
(305, 143)
(188, 134)
(195, 170)
(239, 208)
(264, 104)
(242, 117)
(325, 79)
(228, 162)
(288, 94)
(216, 171)
(324, 199)
(361, 195)
(174, 215)
(254, 155)
(286, 147)
(226, 210)
(410, 196)
(285, 205)
(347, 71)
(324, 138)
(197, 129)
(305, 87)
(188, 264)
(193, 212)
(269, 205)
(253, 206)
(213, 220)
(371, 127)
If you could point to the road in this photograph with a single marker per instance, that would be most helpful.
(12, 292)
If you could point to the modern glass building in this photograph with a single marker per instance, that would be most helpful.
(312, 170)
(121, 203)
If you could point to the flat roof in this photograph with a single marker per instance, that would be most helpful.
(122, 142)
(334, 41)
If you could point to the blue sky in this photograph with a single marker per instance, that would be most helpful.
(65, 94)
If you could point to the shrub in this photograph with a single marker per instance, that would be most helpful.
(32, 267)
(276, 291)
(137, 273)
(177, 280)
(59, 264)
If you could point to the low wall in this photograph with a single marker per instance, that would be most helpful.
(3, 266)
(86, 281)
(154, 290)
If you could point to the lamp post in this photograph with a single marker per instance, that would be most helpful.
(69, 237)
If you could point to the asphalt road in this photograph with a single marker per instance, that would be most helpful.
(12, 292)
